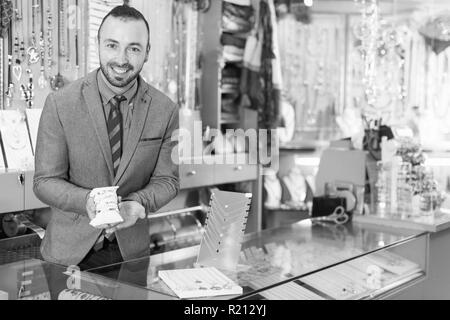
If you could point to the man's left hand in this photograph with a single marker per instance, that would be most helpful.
(130, 211)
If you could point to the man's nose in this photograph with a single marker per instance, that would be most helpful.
(122, 57)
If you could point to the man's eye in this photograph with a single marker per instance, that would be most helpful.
(135, 50)
(111, 46)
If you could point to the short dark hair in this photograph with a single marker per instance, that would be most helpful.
(125, 12)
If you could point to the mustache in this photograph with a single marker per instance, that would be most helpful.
(123, 66)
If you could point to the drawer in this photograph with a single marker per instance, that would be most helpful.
(226, 173)
(31, 202)
(196, 175)
(11, 192)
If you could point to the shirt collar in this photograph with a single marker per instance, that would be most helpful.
(107, 93)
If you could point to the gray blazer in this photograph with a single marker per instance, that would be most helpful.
(73, 156)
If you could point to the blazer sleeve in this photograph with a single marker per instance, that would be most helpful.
(164, 184)
(51, 182)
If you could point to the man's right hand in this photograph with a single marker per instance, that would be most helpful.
(90, 208)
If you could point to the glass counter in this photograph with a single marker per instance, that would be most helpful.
(303, 261)
(34, 279)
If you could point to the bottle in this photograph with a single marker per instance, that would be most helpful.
(382, 190)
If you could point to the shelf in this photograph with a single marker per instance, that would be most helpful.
(440, 221)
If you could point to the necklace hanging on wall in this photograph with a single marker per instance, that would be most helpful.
(10, 90)
(32, 51)
(28, 90)
(17, 69)
(77, 26)
(57, 82)
(22, 32)
(67, 35)
(49, 40)
(42, 81)
(61, 29)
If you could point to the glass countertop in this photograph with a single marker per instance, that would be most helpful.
(34, 279)
(271, 257)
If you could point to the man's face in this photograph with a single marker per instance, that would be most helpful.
(123, 50)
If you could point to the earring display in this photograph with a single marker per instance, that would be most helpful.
(15, 140)
(224, 230)
(199, 282)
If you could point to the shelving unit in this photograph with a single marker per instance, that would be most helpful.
(212, 64)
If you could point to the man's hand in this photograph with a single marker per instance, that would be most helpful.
(90, 208)
(130, 211)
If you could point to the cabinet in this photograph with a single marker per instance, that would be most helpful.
(212, 97)
(16, 192)
(211, 172)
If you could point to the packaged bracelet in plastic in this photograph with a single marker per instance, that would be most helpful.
(106, 206)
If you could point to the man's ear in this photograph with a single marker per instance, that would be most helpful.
(147, 53)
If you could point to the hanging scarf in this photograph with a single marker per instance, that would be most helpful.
(261, 80)
(6, 12)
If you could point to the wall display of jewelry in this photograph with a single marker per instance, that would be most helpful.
(312, 56)
(46, 37)
(378, 75)
(173, 66)
(395, 74)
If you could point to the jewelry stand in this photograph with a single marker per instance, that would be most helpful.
(225, 225)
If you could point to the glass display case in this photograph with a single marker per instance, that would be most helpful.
(303, 261)
(34, 279)
(300, 261)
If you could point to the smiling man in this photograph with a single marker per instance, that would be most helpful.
(110, 128)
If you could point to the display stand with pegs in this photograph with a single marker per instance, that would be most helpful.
(224, 230)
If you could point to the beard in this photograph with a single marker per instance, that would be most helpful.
(116, 79)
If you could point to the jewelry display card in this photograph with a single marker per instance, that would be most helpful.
(393, 263)
(69, 294)
(15, 140)
(288, 291)
(225, 225)
(33, 118)
(199, 282)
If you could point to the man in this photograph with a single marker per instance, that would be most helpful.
(109, 128)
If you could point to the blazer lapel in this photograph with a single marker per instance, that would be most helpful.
(142, 105)
(94, 104)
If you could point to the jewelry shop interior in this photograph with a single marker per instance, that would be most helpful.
(314, 149)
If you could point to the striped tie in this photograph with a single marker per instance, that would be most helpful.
(115, 131)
